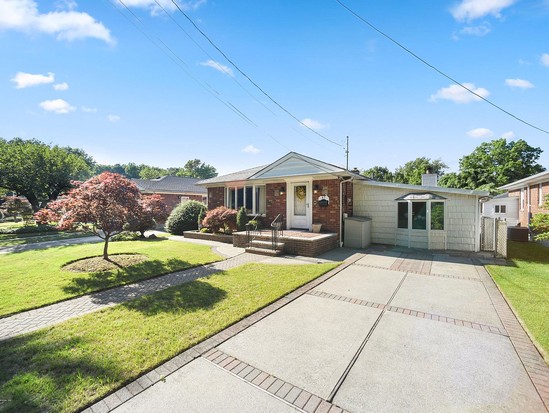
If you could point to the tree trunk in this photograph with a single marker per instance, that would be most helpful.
(106, 248)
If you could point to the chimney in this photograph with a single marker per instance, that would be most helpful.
(429, 179)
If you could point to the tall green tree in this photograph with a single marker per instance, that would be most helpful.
(496, 163)
(151, 172)
(379, 173)
(411, 172)
(195, 168)
(38, 171)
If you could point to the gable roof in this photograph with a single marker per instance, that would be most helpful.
(170, 185)
(291, 164)
(425, 189)
(530, 180)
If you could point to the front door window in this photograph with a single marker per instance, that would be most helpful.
(300, 200)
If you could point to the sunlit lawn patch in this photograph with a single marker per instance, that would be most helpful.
(35, 278)
(525, 283)
(68, 366)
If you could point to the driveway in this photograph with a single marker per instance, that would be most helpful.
(394, 331)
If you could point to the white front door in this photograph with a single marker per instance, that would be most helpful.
(299, 205)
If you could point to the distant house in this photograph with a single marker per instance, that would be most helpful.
(175, 190)
(503, 207)
(304, 191)
(530, 193)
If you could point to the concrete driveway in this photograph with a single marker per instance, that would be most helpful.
(394, 331)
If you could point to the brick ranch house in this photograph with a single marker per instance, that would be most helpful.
(530, 192)
(174, 190)
(306, 191)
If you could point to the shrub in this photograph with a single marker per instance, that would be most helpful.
(126, 236)
(31, 229)
(201, 217)
(255, 224)
(220, 218)
(540, 226)
(241, 219)
(184, 217)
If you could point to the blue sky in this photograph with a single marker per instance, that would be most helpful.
(87, 75)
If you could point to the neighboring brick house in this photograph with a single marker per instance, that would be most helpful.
(174, 190)
(531, 192)
(304, 191)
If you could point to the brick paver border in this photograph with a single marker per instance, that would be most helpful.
(531, 359)
(159, 373)
(293, 395)
(414, 313)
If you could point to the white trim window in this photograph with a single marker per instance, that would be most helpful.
(522, 198)
(421, 215)
(540, 194)
(251, 197)
(500, 209)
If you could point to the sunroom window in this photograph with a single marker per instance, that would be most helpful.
(420, 211)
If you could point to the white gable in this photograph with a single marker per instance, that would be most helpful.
(296, 165)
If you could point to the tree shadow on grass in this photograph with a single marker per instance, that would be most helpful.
(38, 374)
(106, 279)
(188, 297)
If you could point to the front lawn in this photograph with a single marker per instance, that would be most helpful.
(35, 278)
(68, 366)
(12, 240)
(525, 284)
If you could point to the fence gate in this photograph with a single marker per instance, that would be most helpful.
(493, 236)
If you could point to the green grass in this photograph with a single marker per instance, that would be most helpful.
(35, 278)
(525, 284)
(13, 240)
(68, 366)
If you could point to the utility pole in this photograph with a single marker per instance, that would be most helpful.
(347, 153)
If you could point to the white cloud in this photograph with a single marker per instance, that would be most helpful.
(480, 30)
(469, 10)
(88, 110)
(251, 149)
(480, 133)
(166, 5)
(545, 59)
(113, 118)
(23, 80)
(219, 67)
(313, 124)
(58, 106)
(520, 83)
(508, 135)
(23, 15)
(61, 86)
(457, 94)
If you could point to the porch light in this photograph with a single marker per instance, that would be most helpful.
(282, 190)
(315, 189)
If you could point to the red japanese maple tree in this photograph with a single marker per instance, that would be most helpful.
(107, 203)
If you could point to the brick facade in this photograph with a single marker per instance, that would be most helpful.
(216, 197)
(531, 201)
(173, 200)
(329, 216)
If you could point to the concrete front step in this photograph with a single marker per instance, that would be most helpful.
(266, 245)
(264, 251)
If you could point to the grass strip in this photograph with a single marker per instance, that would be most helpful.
(525, 284)
(68, 366)
(36, 278)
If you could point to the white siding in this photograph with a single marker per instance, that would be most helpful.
(512, 209)
(379, 204)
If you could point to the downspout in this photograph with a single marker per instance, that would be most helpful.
(341, 208)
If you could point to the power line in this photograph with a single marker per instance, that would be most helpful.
(182, 65)
(250, 79)
(169, 15)
(362, 19)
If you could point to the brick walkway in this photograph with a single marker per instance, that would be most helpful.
(46, 316)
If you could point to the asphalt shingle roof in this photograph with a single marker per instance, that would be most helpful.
(170, 184)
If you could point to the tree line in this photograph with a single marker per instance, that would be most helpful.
(41, 172)
(490, 165)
